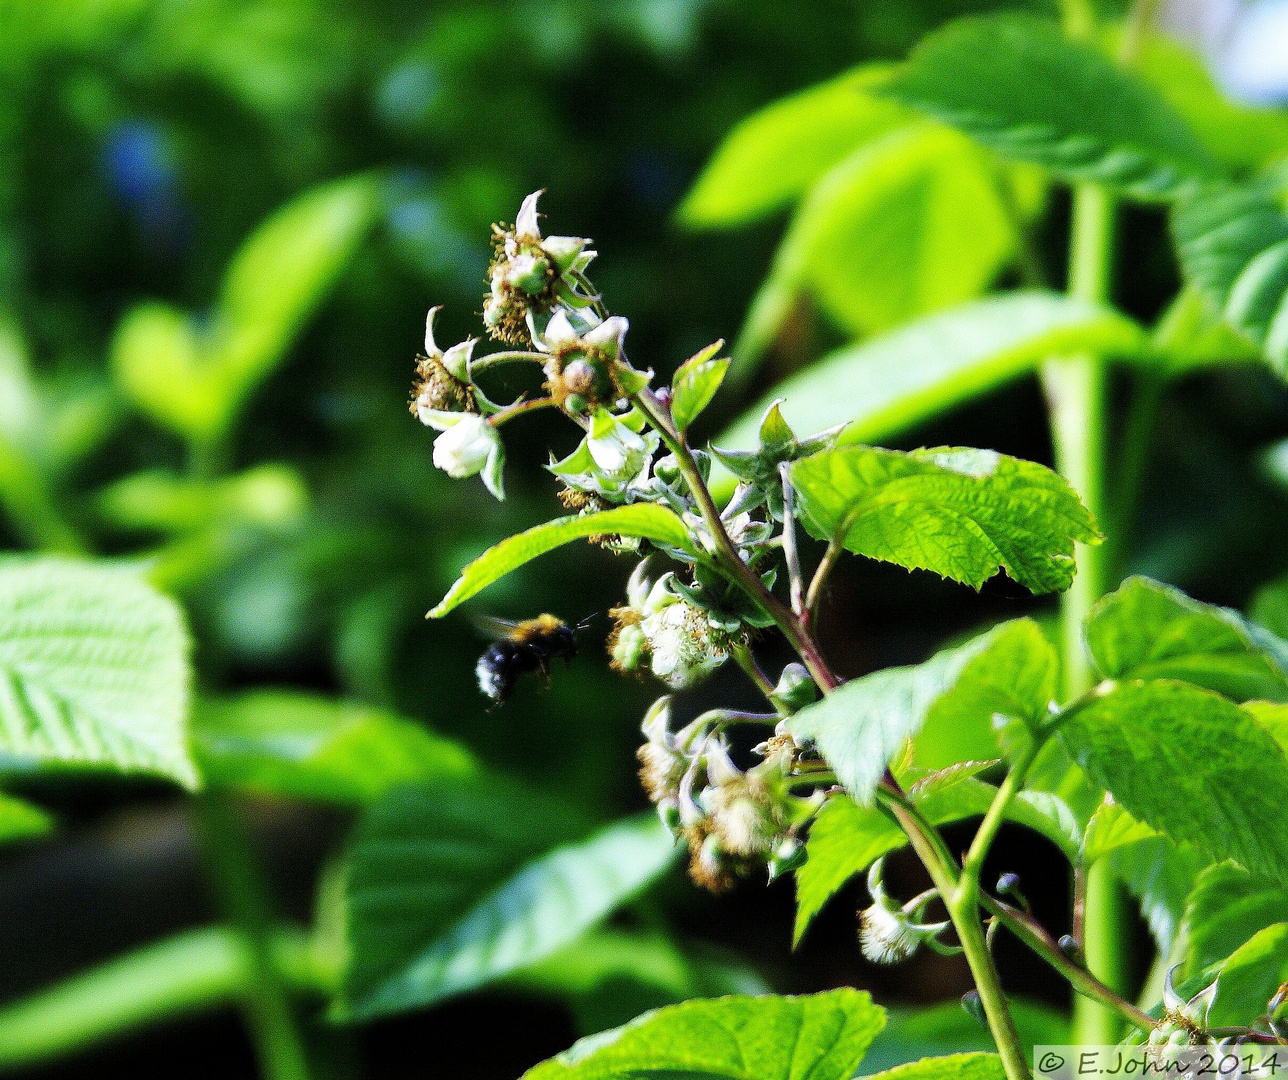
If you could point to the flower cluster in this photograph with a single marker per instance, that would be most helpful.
(732, 820)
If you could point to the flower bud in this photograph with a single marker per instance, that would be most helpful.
(796, 689)
(529, 273)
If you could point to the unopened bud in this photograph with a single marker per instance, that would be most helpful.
(795, 689)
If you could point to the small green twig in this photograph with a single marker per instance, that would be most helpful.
(510, 356)
(815, 592)
(790, 554)
(519, 408)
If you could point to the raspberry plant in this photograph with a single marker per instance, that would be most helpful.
(1144, 737)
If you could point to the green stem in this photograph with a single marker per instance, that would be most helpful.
(973, 863)
(518, 408)
(962, 903)
(1075, 388)
(243, 897)
(814, 594)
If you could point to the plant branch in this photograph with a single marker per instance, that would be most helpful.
(518, 408)
(815, 592)
(973, 863)
(511, 356)
(1035, 936)
(726, 554)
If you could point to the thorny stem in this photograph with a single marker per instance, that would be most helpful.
(790, 553)
(815, 592)
(963, 909)
(727, 555)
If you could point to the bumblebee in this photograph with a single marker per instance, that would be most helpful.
(526, 646)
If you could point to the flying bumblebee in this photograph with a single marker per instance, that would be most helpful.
(525, 646)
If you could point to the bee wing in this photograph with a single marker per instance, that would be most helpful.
(492, 628)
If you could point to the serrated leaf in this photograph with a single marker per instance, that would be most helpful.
(845, 839)
(1227, 907)
(861, 725)
(1147, 630)
(1110, 828)
(1251, 977)
(195, 383)
(1191, 764)
(1161, 875)
(453, 885)
(883, 386)
(1233, 246)
(965, 514)
(970, 1066)
(815, 1037)
(283, 742)
(1016, 83)
(645, 520)
(1014, 680)
(775, 154)
(695, 384)
(93, 671)
(20, 820)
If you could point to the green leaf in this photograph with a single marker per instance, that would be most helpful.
(1147, 630)
(453, 885)
(20, 820)
(845, 839)
(817, 1037)
(1239, 136)
(1233, 246)
(646, 520)
(1110, 828)
(1015, 679)
(287, 743)
(1251, 977)
(947, 1028)
(909, 224)
(884, 386)
(272, 495)
(965, 514)
(1227, 907)
(93, 671)
(1017, 84)
(277, 279)
(1191, 764)
(774, 155)
(1269, 607)
(1161, 875)
(1192, 334)
(972, 1066)
(695, 384)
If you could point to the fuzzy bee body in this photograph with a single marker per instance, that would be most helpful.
(527, 646)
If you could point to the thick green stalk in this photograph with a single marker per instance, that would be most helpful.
(243, 897)
(1075, 388)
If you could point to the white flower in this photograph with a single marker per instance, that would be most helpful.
(468, 445)
(679, 638)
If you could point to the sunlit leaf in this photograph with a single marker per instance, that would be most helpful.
(1110, 828)
(883, 386)
(1251, 976)
(1227, 907)
(1233, 245)
(1161, 875)
(1016, 83)
(287, 743)
(947, 1028)
(93, 671)
(1191, 764)
(817, 1037)
(972, 1066)
(695, 384)
(1147, 630)
(453, 885)
(646, 520)
(774, 155)
(965, 514)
